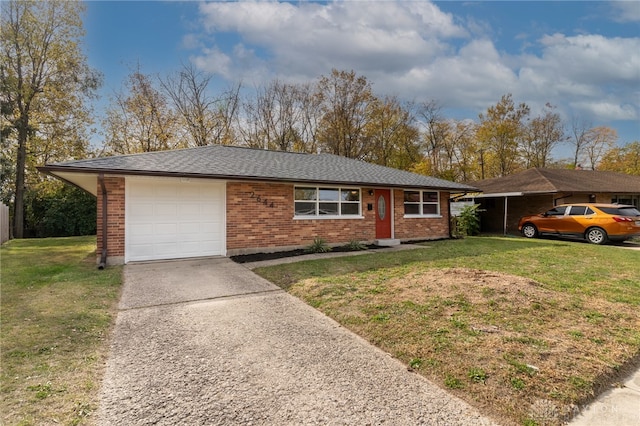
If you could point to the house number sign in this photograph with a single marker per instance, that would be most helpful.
(261, 200)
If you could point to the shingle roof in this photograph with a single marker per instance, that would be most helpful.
(228, 162)
(540, 180)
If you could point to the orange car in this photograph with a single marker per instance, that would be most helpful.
(596, 223)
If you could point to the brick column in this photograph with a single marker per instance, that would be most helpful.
(115, 220)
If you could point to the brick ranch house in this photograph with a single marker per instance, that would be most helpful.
(223, 201)
(506, 199)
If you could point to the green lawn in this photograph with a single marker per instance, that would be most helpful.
(520, 328)
(56, 311)
(526, 330)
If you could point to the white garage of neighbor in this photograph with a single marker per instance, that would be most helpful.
(170, 218)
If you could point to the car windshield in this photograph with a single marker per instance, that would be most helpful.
(621, 211)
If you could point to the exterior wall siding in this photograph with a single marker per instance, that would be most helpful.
(115, 220)
(414, 228)
(260, 218)
(253, 226)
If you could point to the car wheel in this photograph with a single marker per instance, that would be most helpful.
(529, 231)
(596, 236)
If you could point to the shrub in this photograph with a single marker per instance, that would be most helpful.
(468, 223)
(355, 245)
(318, 246)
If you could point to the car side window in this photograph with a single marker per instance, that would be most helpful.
(589, 211)
(556, 211)
(578, 210)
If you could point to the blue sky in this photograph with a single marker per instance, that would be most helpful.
(582, 57)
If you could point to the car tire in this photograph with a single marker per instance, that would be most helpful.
(596, 235)
(529, 230)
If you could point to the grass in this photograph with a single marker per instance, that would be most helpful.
(526, 330)
(57, 310)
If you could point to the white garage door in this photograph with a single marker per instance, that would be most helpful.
(170, 218)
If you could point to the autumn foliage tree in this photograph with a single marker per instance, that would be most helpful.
(140, 119)
(499, 133)
(391, 134)
(540, 136)
(345, 100)
(625, 159)
(204, 117)
(45, 83)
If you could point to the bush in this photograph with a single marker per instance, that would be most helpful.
(355, 245)
(468, 223)
(64, 211)
(318, 246)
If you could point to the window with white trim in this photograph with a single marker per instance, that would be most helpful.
(319, 201)
(421, 203)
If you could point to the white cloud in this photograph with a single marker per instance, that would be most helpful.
(214, 61)
(414, 50)
(609, 111)
(626, 11)
(311, 38)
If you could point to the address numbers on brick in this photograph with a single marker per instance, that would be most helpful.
(261, 200)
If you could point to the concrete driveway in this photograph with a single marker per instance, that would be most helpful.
(206, 342)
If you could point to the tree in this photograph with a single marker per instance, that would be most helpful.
(45, 81)
(140, 119)
(462, 153)
(578, 139)
(435, 130)
(274, 118)
(207, 119)
(344, 99)
(598, 141)
(390, 134)
(624, 159)
(499, 133)
(540, 136)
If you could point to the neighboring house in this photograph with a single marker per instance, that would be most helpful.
(223, 201)
(504, 200)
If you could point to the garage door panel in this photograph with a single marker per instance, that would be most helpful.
(141, 211)
(209, 227)
(163, 250)
(211, 209)
(141, 191)
(168, 191)
(143, 229)
(166, 211)
(171, 218)
(189, 212)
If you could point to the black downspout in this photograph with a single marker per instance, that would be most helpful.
(103, 256)
(450, 218)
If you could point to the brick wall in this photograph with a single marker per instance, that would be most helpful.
(254, 226)
(420, 228)
(260, 218)
(115, 219)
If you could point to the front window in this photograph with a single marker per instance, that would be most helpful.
(421, 203)
(326, 202)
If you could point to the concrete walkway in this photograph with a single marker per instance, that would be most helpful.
(208, 342)
(618, 406)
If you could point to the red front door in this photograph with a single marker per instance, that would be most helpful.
(383, 213)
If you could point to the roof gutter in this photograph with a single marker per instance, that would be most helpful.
(103, 256)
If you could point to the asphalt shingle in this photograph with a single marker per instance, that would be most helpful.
(229, 162)
(539, 180)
